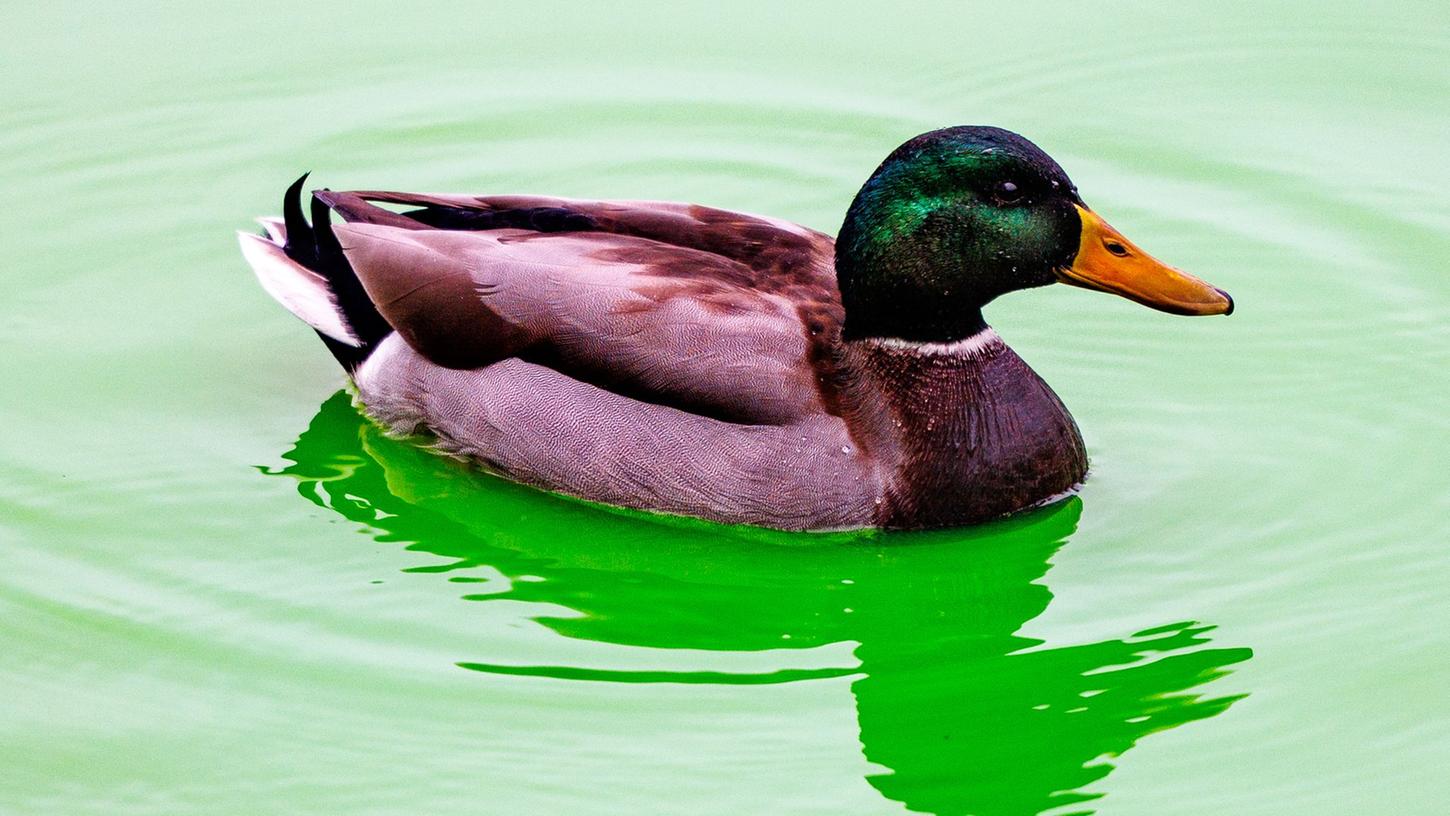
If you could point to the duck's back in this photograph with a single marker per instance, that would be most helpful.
(661, 356)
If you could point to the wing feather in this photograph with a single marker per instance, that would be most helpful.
(710, 311)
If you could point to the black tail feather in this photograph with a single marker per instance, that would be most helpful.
(300, 241)
(316, 247)
(322, 235)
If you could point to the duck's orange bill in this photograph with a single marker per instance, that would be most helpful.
(1108, 262)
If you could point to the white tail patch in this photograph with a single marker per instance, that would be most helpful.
(304, 292)
(276, 229)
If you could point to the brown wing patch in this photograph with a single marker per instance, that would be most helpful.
(666, 261)
(724, 263)
(726, 260)
(755, 242)
(822, 320)
(429, 297)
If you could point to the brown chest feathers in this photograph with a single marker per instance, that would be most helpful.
(964, 432)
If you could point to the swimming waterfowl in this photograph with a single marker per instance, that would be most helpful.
(688, 360)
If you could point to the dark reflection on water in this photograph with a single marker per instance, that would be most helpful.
(968, 715)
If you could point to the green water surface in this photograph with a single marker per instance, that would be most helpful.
(222, 591)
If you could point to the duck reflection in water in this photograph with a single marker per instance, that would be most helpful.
(968, 715)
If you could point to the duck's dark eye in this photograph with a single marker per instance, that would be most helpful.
(1007, 192)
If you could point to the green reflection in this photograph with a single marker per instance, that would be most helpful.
(967, 715)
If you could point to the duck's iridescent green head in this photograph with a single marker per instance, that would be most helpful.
(956, 217)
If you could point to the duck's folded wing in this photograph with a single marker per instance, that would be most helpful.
(718, 313)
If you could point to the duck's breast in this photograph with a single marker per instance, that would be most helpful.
(965, 432)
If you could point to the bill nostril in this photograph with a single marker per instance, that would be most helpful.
(1116, 248)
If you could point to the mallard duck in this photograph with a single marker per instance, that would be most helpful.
(688, 360)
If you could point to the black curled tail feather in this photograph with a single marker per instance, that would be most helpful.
(316, 247)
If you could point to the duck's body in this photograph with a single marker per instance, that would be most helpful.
(666, 357)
